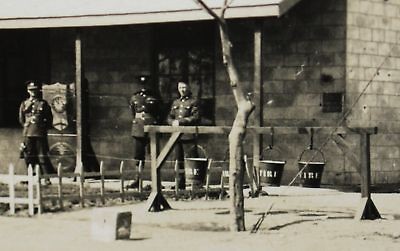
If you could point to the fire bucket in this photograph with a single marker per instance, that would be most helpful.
(196, 166)
(271, 170)
(311, 171)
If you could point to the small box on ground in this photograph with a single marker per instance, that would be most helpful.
(110, 224)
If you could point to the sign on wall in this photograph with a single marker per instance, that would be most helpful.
(61, 98)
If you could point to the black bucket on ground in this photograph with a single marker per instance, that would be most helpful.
(196, 166)
(271, 169)
(311, 171)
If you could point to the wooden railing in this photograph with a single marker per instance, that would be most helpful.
(156, 201)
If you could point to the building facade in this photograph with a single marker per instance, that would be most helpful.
(317, 59)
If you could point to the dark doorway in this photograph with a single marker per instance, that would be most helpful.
(24, 55)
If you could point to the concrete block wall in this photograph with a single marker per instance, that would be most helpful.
(373, 60)
(112, 57)
(301, 47)
(316, 38)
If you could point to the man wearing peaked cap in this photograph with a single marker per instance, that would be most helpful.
(36, 118)
(184, 112)
(143, 106)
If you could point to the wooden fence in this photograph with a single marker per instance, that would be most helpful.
(36, 183)
(12, 199)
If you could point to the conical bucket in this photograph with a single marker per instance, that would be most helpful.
(196, 166)
(311, 171)
(271, 171)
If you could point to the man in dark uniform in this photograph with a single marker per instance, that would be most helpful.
(36, 118)
(184, 112)
(144, 111)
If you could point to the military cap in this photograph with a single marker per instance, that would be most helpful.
(32, 85)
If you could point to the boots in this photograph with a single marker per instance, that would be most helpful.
(134, 184)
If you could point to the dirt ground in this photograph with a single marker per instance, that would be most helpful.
(300, 219)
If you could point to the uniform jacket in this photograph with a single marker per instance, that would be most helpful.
(36, 118)
(144, 111)
(184, 109)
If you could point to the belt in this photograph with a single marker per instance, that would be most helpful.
(143, 115)
(140, 115)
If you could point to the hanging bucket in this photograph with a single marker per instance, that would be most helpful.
(196, 166)
(271, 169)
(311, 172)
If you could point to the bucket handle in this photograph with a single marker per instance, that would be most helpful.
(271, 134)
(316, 150)
(311, 148)
(198, 147)
(269, 149)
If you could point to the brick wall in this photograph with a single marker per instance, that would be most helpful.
(373, 57)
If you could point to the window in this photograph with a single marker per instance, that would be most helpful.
(332, 102)
(186, 53)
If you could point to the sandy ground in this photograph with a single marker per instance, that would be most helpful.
(300, 219)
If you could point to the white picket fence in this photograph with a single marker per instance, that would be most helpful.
(36, 197)
(35, 185)
(12, 200)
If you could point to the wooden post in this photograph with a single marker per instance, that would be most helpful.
(367, 209)
(365, 165)
(60, 192)
(122, 179)
(11, 188)
(155, 172)
(224, 175)
(39, 189)
(103, 200)
(250, 175)
(156, 201)
(140, 176)
(176, 169)
(30, 192)
(78, 80)
(81, 185)
(258, 119)
(208, 173)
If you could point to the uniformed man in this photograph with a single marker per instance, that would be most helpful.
(36, 118)
(184, 112)
(144, 111)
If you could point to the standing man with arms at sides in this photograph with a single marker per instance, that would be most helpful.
(184, 112)
(36, 118)
(143, 106)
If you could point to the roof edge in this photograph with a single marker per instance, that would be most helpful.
(286, 5)
(135, 18)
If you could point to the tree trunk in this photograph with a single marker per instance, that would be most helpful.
(236, 165)
(238, 132)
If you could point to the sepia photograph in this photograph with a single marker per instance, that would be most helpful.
(199, 125)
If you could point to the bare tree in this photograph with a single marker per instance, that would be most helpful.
(238, 132)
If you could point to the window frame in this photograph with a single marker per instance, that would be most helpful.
(183, 45)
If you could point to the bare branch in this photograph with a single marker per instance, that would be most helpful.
(209, 11)
(224, 7)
